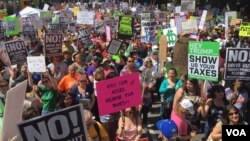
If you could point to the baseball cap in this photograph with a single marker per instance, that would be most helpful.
(187, 104)
(167, 127)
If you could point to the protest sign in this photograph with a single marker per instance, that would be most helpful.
(84, 17)
(147, 31)
(171, 34)
(235, 22)
(67, 124)
(13, 110)
(180, 58)
(53, 44)
(114, 46)
(188, 5)
(203, 60)
(29, 31)
(65, 16)
(125, 27)
(108, 33)
(76, 10)
(163, 50)
(36, 64)
(99, 26)
(83, 36)
(4, 55)
(113, 24)
(189, 26)
(45, 7)
(160, 16)
(245, 29)
(118, 93)
(203, 19)
(46, 17)
(17, 51)
(11, 25)
(146, 16)
(237, 64)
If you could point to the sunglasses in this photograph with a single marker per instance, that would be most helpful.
(45, 81)
(233, 113)
(131, 61)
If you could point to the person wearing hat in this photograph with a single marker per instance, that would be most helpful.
(179, 114)
(67, 46)
(74, 43)
(106, 64)
(168, 128)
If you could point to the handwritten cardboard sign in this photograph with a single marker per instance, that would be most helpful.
(118, 93)
(53, 44)
(114, 46)
(84, 17)
(17, 51)
(67, 124)
(36, 64)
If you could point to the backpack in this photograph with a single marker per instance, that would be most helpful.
(97, 129)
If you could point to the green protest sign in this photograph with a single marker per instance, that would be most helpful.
(203, 60)
(125, 29)
(12, 26)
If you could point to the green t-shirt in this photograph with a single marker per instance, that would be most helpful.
(48, 98)
(1, 115)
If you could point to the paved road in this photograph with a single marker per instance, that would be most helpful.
(151, 131)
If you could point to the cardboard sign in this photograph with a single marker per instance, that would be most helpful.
(237, 64)
(53, 44)
(245, 29)
(12, 27)
(125, 29)
(163, 50)
(180, 58)
(45, 7)
(188, 5)
(17, 52)
(114, 46)
(84, 38)
(67, 124)
(29, 31)
(171, 34)
(13, 110)
(84, 17)
(203, 60)
(118, 93)
(36, 64)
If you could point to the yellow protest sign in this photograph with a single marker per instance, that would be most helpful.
(76, 9)
(245, 29)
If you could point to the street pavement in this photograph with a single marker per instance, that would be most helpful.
(151, 131)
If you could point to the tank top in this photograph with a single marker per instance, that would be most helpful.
(214, 114)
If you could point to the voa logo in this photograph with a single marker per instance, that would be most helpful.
(236, 132)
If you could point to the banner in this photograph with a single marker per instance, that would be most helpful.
(237, 64)
(36, 64)
(245, 29)
(53, 44)
(118, 93)
(29, 31)
(83, 36)
(125, 29)
(203, 60)
(67, 124)
(17, 52)
(13, 110)
(114, 46)
(11, 25)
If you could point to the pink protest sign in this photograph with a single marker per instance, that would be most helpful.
(108, 33)
(118, 93)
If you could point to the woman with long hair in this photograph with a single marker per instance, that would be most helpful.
(231, 116)
(212, 108)
(65, 101)
(130, 125)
